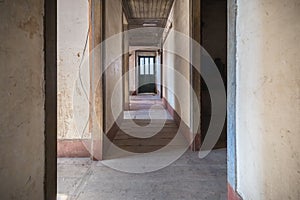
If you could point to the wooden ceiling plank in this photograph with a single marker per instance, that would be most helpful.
(160, 8)
(156, 4)
(165, 8)
(151, 15)
(168, 12)
(137, 8)
(127, 9)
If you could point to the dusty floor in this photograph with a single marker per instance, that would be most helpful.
(187, 178)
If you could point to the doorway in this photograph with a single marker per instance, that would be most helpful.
(146, 74)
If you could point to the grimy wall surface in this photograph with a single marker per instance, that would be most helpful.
(180, 21)
(22, 99)
(268, 99)
(113, 74)
(73, 92)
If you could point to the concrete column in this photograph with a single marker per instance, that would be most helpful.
(96, 82)
(27, 121)
(268, 99)
(126, 64)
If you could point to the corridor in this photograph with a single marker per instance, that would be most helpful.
(150, 99)
(159, 128)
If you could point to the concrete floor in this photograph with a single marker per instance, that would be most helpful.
(187, 178)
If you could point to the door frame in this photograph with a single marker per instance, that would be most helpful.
(137, 52)
(50, 76)
(155, 70)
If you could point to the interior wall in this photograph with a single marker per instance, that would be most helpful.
(158, 73)
(180, 22)
(113, 74)
(126, 63)
(22, 99)
(73, 86)
(132, 86)
(268, 99)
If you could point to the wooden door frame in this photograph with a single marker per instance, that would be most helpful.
(195, 77)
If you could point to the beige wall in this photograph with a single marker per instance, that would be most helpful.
(114, 25)
(132, 72)
(268, 99)
(73, 106)
(22, 99)
(180, 18)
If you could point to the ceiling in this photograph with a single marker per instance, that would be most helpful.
(145, 14)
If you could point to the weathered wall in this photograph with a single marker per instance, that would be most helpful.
(180, 20)
(125, 63)
(73, 106)
(113, 25)
(132, 72)
(268, 99)
(22, 99)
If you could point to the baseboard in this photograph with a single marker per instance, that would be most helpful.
(232, 194)
(73, 148)
(77, 148)
(131, 93)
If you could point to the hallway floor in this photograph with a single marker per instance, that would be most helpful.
(147, 126)
(187, 178)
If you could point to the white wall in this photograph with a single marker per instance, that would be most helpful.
(268, 99)
(158, 73)
(22, 99)
(73, 106)
(180, 19)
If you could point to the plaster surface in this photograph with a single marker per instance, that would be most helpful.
(268, 99)
(22, 99)
(113, 74)
(73, 93)
(180, 20)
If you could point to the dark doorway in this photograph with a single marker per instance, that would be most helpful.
(214, 41)
(146, 74)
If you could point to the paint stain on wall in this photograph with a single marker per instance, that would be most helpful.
(30, 26)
